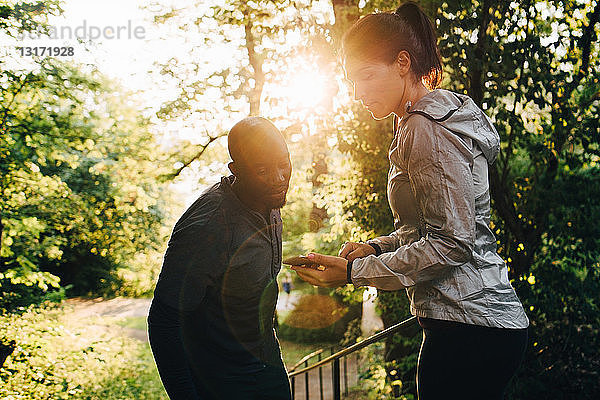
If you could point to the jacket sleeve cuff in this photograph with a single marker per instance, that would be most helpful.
(349, 272)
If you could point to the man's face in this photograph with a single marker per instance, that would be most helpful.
(265, 173)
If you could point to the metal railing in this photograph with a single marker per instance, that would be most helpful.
(335, 359)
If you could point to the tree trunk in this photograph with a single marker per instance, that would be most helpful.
(476, 89)
(256, 62)
(317, 214)
(1, 230)
(346, 13)
(6, 350)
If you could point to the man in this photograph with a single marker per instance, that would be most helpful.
(211, 320)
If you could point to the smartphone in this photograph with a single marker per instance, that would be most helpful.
(302, 260)
(298, 260)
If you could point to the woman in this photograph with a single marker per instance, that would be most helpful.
(442, 251)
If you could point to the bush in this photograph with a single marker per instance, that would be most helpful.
(315, 318)
(560, 295)
(14, 297)
(60, 356)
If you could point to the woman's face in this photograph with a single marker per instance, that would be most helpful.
(379, 86)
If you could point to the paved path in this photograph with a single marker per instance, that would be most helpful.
(119, 307)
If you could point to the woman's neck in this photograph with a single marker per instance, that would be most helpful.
(413, 94)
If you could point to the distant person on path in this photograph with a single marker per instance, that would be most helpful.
(211, 320)
(286, 284)
(442, 251)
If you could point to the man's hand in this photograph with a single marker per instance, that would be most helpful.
(351, 250)
(333, 275)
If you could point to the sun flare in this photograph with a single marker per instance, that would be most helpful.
(307, 90)
(304, 89)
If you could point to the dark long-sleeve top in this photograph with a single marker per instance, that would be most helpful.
(213, 307)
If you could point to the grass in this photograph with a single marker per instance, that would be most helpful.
(293, 352)
(134, 323)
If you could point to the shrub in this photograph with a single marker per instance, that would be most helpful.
(315, 318)
(60, 356)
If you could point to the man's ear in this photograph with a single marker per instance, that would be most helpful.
(403, 62)
(233, 168)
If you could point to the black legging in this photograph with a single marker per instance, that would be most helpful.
(466, 362)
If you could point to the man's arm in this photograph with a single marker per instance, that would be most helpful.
(164, 332)
(194, 260)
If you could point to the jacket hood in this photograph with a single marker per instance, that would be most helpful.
(459, 114)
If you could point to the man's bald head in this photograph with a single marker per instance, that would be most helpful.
(252, 135)
(261, 163)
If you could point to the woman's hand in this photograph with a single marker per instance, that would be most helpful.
(351, 250)
(333, 275)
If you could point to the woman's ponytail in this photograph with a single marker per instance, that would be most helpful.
(382, 36)
(429, 64)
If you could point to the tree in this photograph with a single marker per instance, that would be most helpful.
(534, 68)
(78, 191)
(245, 37)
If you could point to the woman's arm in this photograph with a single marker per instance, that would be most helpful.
(402, 236)
(439, 170)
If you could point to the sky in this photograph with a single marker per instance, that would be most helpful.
(127, 58)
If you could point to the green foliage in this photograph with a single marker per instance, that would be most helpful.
(378, 380)
(353, 333)
(79, 198)
(536, 71)
(533, 67)
(292, 352)
(79, 185)
(61, 356)
(561, 294)
(402, 349)
(363, 188)
(294, 334)
(17, 17)
(140, 323)
(17, 296)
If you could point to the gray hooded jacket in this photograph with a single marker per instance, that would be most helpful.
(443, 251)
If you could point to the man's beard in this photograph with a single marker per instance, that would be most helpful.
(279, 204)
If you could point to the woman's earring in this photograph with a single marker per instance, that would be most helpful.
(408, 105)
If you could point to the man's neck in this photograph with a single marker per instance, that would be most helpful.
(249, 201)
